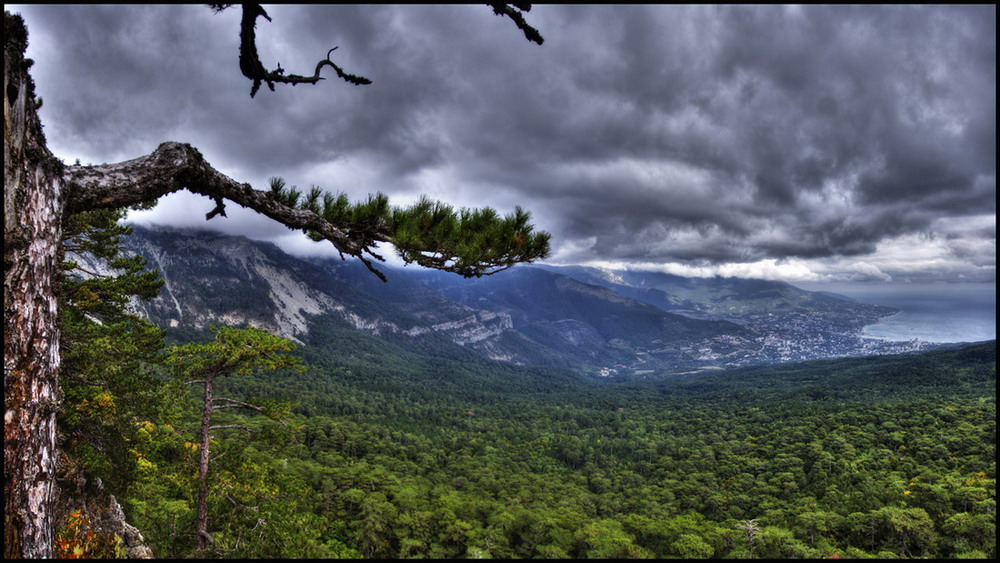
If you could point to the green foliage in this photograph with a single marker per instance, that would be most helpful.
(234, 351)
(125, 422)
(161, 503)
(470, 242)
(691, 546)
(391, 455)
(109, 376)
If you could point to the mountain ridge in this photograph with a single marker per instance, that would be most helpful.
(568, 317)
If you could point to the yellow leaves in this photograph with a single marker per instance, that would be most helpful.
(977, 477)
(78, 540)
(100, 406)
(104, 400)
(191, 446)
(907, 492)
(142, 463)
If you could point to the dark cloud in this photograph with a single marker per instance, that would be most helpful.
(655, 134)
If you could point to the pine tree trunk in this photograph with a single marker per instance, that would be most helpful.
(33, 211)
(206, 425)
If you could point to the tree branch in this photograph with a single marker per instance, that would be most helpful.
(224, 426)
(511, 11)
(471, 243)
(77, 266)
(175, 166)
(234, 404)
(252, 68)
(207, 537)
(220, 209)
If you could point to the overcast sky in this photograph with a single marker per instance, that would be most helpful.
(812, 143)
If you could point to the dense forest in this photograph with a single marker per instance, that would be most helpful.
(389, 450)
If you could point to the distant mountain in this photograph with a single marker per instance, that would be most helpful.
(587, 322)
(717, 297)
(791, 323)
(584, 319)
(525, 316)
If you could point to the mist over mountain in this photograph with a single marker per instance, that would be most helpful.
(586, 319)
(714, 296)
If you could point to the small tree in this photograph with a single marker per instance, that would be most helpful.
(752, 531)
(233, 352)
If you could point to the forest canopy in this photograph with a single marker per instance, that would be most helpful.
(404, 456)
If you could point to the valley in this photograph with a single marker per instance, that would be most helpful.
(446, 418)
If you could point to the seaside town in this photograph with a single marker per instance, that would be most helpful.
(774, 338)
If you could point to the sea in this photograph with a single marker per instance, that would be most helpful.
(955, 312)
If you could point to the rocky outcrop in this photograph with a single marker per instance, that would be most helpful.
(114, 523)
(478, 326)
(89, 521)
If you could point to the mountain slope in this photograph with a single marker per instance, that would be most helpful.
(717, 296)
(585, 321)
(524, 316)
(792, 323)
(576, 318)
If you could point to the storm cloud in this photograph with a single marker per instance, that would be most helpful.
(851, 142)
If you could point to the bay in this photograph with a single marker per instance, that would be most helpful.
(953, 312)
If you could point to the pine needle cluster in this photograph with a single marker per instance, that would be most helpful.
(469, 242)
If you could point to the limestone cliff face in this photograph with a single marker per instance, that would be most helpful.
(478, 326)
(227, 280)
(212, 278)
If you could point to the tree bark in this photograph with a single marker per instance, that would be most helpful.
(206, 426)
(33, 211)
